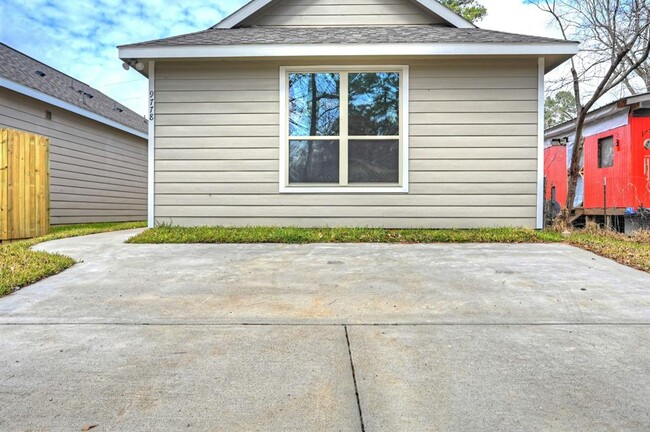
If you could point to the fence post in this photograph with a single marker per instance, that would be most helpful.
(605, 201)
(4, 187)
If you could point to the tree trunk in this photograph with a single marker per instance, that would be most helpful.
(624, 29)
(574, 168)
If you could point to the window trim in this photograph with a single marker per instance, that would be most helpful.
(401, 187)
(599, 152)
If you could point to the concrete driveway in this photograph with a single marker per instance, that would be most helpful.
(327, 337)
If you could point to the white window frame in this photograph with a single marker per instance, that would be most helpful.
(402, 186)
(600, 152)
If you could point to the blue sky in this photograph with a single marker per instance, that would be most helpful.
(79, 37)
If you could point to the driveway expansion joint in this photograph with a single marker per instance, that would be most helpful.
(354, 379)
(325, 324)
(462, 337)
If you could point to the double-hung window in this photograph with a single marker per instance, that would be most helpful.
(344, 129)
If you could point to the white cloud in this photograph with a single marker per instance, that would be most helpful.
(513, 16)
(80, 37)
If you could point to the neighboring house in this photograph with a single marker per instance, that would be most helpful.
(616, 152)
(348, 113)
(98, 148)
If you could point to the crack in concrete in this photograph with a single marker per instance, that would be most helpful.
(354, 379)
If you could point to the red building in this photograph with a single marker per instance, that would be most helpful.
(616, 160)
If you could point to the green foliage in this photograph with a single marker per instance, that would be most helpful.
(169, 234)
(20, 266)
(471, 10)
(374, 103)
(559, 108)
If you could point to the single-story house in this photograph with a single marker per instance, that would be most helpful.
(379, 113)
(98, 147)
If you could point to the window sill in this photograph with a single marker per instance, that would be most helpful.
(345, 189)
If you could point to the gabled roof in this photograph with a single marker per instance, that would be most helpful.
(415, 40)
(23, 74)
(229, 39)
(429, 34)
(253, 6)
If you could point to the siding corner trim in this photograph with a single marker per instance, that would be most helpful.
(151, 219)
(540, 143)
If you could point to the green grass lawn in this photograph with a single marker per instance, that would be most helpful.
(21, 266)
(633, 251)
(167, 234)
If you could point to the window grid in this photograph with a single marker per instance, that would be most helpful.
(343, 136)
(343, 129)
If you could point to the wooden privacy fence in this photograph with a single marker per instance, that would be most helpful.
(24, 185)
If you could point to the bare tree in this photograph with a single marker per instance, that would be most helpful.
(614, 45)
(642, 72)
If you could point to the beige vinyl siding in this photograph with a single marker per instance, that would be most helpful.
(306, 13)
(97, 173)
(473, 148)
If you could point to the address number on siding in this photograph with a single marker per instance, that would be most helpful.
(151, 105)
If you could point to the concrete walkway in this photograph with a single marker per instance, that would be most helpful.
(327, 337)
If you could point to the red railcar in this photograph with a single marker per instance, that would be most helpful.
(615, 178)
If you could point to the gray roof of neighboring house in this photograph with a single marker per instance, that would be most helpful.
(22, 69)
(344, 35)
(635, 102)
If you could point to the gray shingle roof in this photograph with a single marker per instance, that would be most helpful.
(21, 69)
(344, 35)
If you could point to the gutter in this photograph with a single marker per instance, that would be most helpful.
(344, 50)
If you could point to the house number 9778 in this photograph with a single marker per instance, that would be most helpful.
(151, 105)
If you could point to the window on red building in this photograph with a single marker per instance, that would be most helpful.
(606, 152)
